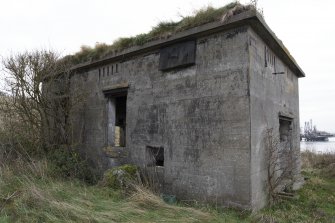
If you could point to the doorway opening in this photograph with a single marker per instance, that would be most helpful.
(116, 117)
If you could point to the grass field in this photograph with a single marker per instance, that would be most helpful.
(29, 194)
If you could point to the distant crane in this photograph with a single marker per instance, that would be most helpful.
(312, 134)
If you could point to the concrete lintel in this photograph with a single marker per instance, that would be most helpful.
(116, 89)
(286, 114)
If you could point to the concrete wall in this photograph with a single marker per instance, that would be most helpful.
(89, 118)
(210, 117)
(270, 95)
(199, 114)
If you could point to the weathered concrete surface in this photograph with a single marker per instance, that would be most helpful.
(271, 96)
(199, 114)
(209, 117)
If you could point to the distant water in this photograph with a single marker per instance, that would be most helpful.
(319, 147)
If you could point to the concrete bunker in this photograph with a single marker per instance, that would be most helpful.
(195, 105)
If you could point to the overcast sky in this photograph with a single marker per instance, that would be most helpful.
(306, 27)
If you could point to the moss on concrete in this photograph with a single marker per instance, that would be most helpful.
(120, 177)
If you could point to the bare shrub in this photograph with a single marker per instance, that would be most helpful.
(36, 113)
(39, 100)
(26, 107)
(280, 163)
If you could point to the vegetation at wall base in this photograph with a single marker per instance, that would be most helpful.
(28, 193)
(49, 181)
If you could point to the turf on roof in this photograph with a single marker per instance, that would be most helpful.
(161, 31)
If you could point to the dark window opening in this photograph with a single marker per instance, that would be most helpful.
(285, 129)
(116, 68)
(156, 155)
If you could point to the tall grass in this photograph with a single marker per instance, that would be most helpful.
(324, 163)
(317, 160)
(29, 194)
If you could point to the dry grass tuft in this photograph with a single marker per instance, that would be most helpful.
(324, 163)
(144, 197)
(29, 194)
(314, 160)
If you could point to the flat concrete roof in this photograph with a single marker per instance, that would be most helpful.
(250, 17)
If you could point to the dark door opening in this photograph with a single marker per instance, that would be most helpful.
(120, 121)
(116, 117)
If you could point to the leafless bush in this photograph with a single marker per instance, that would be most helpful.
(280, 161)
(36, 112)
(38, 102)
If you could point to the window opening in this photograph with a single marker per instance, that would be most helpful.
(269, 58)
(285, 132)
(156, 155)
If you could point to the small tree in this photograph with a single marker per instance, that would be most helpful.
(37, 110)
(38, 102)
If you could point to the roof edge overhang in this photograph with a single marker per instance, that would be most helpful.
(250, 18)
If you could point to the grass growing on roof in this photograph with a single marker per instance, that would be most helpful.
(162, 30)
(203, 16)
